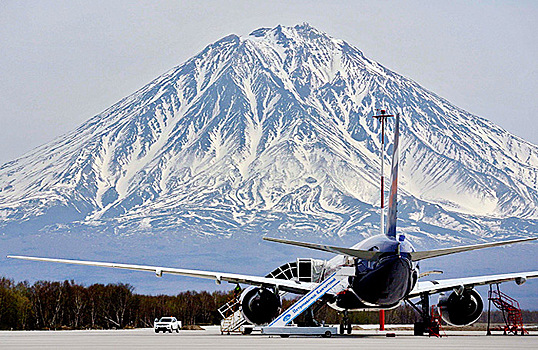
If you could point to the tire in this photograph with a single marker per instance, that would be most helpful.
(418, 328)
(284, 336)
(327, 334)
(156, 331)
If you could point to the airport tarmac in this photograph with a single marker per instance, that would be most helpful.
(212, 339)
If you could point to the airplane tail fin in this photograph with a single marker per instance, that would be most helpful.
(392, 217)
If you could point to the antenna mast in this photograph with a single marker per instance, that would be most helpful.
(382, 117)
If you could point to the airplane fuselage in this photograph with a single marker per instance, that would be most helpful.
(381, 283)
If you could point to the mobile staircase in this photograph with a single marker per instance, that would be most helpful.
(510, 310)
(303, 270)
(282, 324)
(232, 318)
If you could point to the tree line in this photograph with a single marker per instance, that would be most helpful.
(69, 305)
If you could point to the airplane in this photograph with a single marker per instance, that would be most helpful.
(381, 272)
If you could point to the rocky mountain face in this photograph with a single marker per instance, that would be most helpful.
(273, 133)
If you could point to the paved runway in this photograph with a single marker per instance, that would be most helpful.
(211, 339)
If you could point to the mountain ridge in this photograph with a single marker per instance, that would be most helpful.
(271, 132)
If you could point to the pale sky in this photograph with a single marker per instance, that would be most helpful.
(62, 62)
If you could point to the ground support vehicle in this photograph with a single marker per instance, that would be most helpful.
(167, 324)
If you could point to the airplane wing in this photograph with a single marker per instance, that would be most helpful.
(436, 286)
(285, 285)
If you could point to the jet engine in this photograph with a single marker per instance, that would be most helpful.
(259, 305)
(460, 308)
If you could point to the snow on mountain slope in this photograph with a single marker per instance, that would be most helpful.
(272, 132)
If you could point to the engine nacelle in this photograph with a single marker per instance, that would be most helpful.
(460, 309)
(259, 305)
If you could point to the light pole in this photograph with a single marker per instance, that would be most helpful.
(382, 117)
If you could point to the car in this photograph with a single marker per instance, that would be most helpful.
(167, 324)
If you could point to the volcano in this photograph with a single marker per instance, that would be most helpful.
(272, 133)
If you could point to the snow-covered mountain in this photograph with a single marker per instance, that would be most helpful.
(273, 133)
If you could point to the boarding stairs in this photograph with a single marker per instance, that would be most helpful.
(510, 310)
(303, 270)
(280, 324)
(232, 318)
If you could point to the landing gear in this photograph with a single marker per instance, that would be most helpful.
(422, 326)
(418, 328)
(345, 325)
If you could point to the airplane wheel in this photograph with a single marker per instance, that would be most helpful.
(418, 328)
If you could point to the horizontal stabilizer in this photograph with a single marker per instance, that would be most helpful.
(357, 253)
(426, 254)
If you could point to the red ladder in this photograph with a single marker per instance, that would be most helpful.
(510, 310)
(434, 327)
